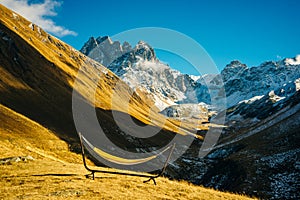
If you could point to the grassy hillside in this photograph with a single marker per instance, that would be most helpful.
(39, 73)
(57, 173)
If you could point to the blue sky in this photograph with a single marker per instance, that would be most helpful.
(252, 31)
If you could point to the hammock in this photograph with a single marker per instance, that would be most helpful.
(119, 160)
(123, 161)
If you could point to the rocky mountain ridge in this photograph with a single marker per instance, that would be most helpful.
(140, 68)
(242, 83)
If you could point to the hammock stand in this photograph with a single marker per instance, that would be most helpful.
(150, 177)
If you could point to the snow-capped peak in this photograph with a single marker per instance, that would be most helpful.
(139, 67)
(145, 51)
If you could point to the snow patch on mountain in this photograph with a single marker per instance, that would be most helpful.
(251, 100)
(293, 61)
(161, 103)
(275, 98)
(297, 84)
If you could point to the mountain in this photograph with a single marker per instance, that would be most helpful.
(242, 83)
(143, 72)
(140, 68)
(257, 152)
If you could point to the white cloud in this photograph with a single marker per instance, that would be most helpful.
(39, 14)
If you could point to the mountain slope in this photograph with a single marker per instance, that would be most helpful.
(265, 149)
(38, 78)
(21, 136)
(258, 150)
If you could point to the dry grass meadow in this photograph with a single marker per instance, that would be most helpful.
(57, 173)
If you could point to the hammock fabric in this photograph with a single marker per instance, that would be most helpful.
(119, 160)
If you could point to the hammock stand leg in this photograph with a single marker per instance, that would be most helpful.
(93, 171)
(153, 179)
(92, 174)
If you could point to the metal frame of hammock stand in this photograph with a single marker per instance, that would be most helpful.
(151, 177)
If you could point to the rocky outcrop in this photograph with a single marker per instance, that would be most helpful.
(10, 160)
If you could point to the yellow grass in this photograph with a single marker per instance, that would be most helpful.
(41, 179)
(57, 173)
